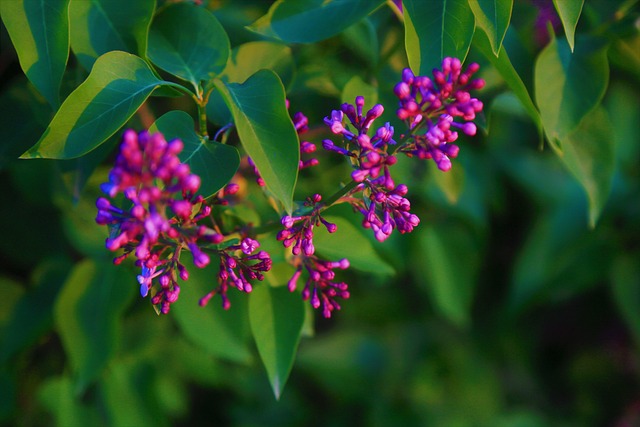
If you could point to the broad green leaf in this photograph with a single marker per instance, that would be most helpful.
(87, 314)
(349, 242)
(309, 21)
(358, 87)
(248, 58)
(100, 26)
(276, 316)
(189, 42)
(435, 30)
(449, 261)
(569, 85)
(39, 31)
(266, 130)
(626, 291)
(569, 12)
(58, 396)
(493, 16)
(118, 84)
(218, 332)
(589, 154)
(503, 65)
(215, 163)
(32, 314)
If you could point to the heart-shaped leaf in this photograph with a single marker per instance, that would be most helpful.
(189, 42)
(215, 163)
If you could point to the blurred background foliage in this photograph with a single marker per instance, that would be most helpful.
(505, 307)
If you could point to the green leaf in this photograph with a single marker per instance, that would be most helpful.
(100, 26)
(569, 86)
(88, 312)
(220, 333)
(362, 40)
(189, 42)
(248, 58)
(569, 12)
(276, 316)
(626, 291)
(215, 163)
(435, 30)
(358, 87)
(39, 31)
(307, 21)
(350, 242)
(493, 16)
(503, 65)
(266, 130)
(118, 84)
(451, 183)
(589, 154)
(33, 313)
(449, 263)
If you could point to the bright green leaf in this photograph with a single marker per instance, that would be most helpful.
(449, 263)
(100, 26)
(350, 242)
(569, 85)
(569, 12)
(189, 42)
(218, 332)
(435, 30)
(118, 84)
(215, 163)
(589, 154)
(276, 316)
(493, 16)
(358, 87)
(266, 130)
(87, 314)
(503, 65)
(309, 21)
(248, 58)
(39, 31)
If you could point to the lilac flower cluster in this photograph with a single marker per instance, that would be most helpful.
(298, 230)
(237, 270)
(320, 289)
(434, 103)
(162, 220)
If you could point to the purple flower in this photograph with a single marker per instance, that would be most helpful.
(320, 288)
(162, 219)
(239, 264)
(298, 230)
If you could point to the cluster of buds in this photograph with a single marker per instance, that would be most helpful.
(298, 230)
(163, 219)
(320, 289)
(434, 104)
(386, 210)
(238, 265)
